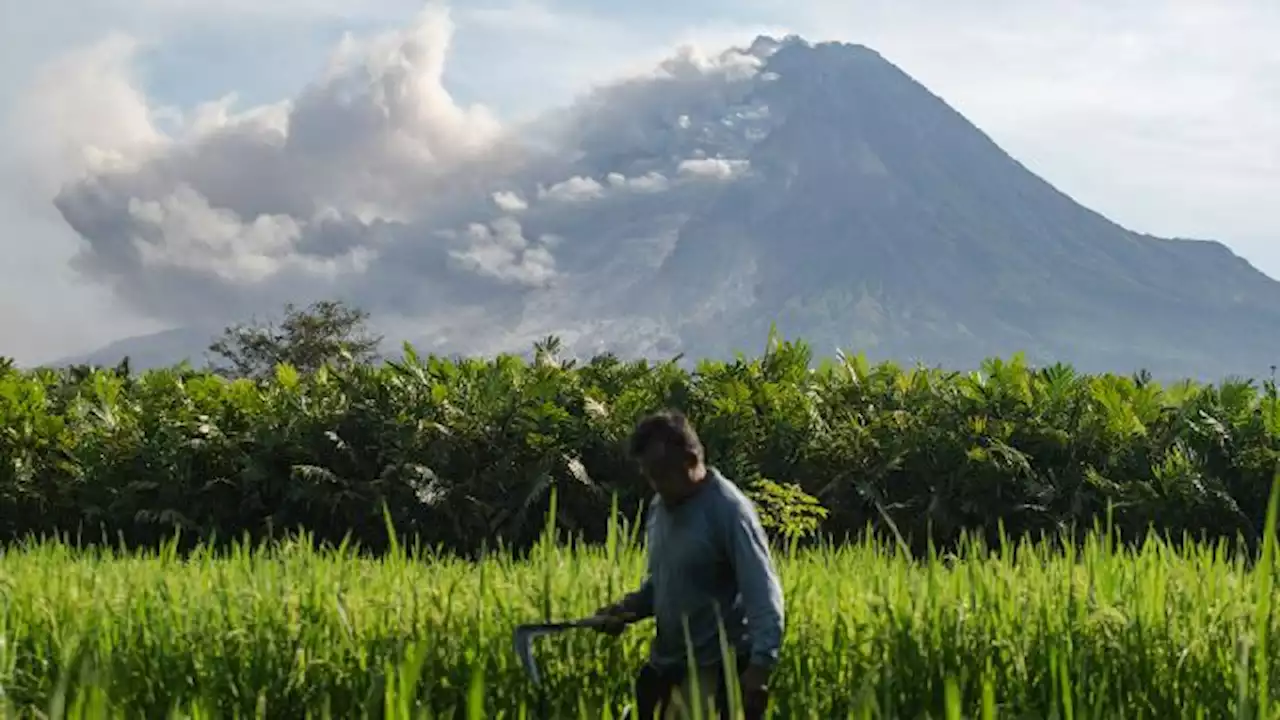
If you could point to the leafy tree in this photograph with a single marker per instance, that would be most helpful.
(326, 332)
(786, 511)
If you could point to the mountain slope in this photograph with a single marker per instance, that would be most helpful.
(159, 349)
(880, 219)
(822, 188)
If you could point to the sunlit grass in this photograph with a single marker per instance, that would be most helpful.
(1027, 631)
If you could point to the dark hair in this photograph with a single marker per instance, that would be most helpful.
(669, 427)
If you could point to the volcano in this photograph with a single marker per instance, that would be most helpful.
(821, 189)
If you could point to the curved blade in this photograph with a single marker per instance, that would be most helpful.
(525, 634)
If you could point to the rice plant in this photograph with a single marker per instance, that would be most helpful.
(1025, 629)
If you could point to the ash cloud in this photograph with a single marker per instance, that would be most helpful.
(499, 250)
(375, 185)
(575, 189)
(715, 168)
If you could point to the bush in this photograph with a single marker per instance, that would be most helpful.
(463, 453)
(786, 511)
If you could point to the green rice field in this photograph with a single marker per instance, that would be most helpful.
(1020, 631)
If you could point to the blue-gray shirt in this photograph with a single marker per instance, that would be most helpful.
(709, 550)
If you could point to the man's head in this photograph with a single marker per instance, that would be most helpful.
(669, 453)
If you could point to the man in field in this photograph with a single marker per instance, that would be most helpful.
(708, 562)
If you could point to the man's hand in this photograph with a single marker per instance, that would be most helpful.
(755, 691)
(618, 620)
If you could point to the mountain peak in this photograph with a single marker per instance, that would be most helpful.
(877, 217)
(765, 46)
(816, 186)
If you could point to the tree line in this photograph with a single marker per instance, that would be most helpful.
(300, 428)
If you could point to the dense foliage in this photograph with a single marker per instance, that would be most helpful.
(463, 452)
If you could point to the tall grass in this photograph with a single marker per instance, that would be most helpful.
(1021, 630)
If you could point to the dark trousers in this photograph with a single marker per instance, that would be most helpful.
(653, 688)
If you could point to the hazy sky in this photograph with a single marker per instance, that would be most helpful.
(1164, 116)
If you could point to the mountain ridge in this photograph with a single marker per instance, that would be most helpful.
(1113, 247)
(821, 188)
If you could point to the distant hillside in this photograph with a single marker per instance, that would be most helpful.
(832, 194)
(161, 349)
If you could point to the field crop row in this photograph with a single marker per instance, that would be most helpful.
(1028, 630)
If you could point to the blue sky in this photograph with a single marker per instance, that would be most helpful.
(1161, 116)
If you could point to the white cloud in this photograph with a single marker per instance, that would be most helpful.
(84, 115)
(693, 62)
(255, 199)
(713, 168)
(508, 201)
(575, 189)
(183, 231)
(355, 185)
(500, 250)
(650, 182)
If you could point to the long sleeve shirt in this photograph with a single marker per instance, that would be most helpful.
(710, 552)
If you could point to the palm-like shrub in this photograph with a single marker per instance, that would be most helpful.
(463, 454)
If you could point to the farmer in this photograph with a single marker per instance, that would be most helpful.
(708, 562)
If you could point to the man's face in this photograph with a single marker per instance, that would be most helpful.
(667, 470)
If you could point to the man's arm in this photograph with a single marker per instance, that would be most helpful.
(632, 608)
(639, 603)
(758, 582)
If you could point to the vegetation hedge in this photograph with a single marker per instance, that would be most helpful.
(463, 453)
